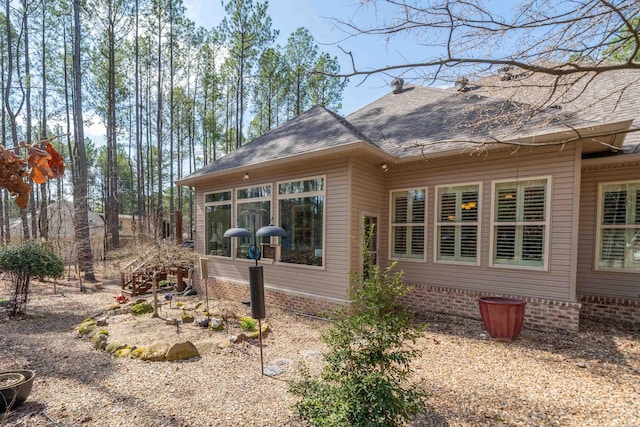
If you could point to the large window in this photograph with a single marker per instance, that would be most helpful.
(218, 220)
(253, 210)
(457, 223)
(619, 227)
(407, 224)
(301, 207)
(520, 222)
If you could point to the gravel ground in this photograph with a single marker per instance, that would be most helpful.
(544, 378)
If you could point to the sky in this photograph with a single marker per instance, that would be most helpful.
(318, 16)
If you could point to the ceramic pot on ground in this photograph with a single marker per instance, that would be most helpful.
(502, 317)
(9, 388)
(21, 389)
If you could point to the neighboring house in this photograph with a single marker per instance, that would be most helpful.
(62, 231)
(555, 225)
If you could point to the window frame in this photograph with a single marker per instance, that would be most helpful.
(546, 223)
(423, 259)
(600, 227)
(218, 203)
(236, 212)
(438, 223)
(279, 197)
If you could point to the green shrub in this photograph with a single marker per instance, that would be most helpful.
(366, 379)
(248, 324)
(32, 258)
(141, 308)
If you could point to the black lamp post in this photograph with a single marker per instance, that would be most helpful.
(256, 281)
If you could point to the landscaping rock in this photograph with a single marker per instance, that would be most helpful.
(206, 346)
(256, 334)
(102, 321)
(99, 342)
(155, 352)
(122, 352)
(224, 343)
(182, 351)
(238, 339)
(216, 323)
(277, 367)
(113, 346)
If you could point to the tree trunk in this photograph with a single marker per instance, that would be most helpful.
(81, 209)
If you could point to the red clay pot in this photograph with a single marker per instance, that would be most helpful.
(502, 317)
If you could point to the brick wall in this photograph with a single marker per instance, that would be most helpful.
(281, 300)
(615, 309)
(539, 313)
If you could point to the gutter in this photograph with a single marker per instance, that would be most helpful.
(344, 148)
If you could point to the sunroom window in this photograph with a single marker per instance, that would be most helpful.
(619, 227)
(253, 209)
(217, 220)
(457, 223)
(301, 208)
(408, 224)
(520, 223)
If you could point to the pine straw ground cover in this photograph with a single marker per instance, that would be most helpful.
(589, 378)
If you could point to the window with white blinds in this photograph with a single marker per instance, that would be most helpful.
(619, 227)
(408, 224)
(520, 222)
(457, 222)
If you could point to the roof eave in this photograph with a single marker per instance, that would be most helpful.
(347, 147)
(569, 135)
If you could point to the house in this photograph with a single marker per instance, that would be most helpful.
(474, 190)
(62, 232)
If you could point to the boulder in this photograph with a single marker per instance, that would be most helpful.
(113, 346)
(182, 351)
(99, 341)
(155, 352)
(224, 343)
(206, 346)
(216, 323)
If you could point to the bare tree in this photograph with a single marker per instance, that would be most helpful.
(555, 48)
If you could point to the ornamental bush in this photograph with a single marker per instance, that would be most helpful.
(366, 379)
(32, 258)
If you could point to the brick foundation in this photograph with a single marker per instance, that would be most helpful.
(613, 309)
(539, 313)
(285, 301)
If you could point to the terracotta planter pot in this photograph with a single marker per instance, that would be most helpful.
(502, 317)
(22, 389)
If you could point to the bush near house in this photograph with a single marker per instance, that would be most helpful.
(366, 380)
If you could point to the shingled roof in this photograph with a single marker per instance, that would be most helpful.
(429, 121)
(316, 129)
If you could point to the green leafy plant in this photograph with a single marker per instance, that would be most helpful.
(32, 258)
(141, 308)
(248, 324)
(366, 379)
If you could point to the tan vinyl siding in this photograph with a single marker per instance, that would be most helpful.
(367, 197)
(559, 166)
(331, 280)
(589, 281)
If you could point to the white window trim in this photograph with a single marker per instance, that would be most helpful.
(546, 223)
(436, 223)
(322, 193)
(219, 203)
(412, 224)
(235, 212)
(598, 237)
